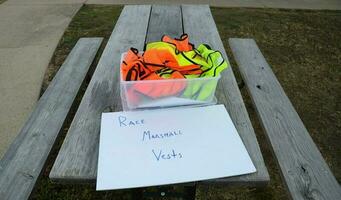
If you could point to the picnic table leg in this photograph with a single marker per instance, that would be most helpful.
(137, 194)
(162, 192)
(190, 192)
(185, 193)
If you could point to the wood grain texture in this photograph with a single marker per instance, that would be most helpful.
(164, 20)
(200, 25)
(77, 158)
(24, 160)
(306, 174)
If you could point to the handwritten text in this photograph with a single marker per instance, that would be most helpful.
(147, 135)
(123, 121)
(160, 155)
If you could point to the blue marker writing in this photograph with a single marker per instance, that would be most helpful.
(124, 121)
(160, 155)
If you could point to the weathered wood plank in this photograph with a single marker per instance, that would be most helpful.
(306, 174)
(164, 20)
(24, 160)
(200, 25)
(77, 158)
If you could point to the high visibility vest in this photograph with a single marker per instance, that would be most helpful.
(133, 68)
(174, 59)
(165, 54)
(214, 64)
(181, 44)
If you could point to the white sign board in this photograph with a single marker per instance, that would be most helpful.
(157, 147)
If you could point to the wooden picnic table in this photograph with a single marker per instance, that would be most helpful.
(137, 25)
(303, 169)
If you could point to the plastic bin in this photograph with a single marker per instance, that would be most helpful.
(167, 93)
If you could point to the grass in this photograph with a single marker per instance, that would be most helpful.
(90, 21)
(304, 51)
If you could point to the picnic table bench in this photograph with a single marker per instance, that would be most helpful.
(24, 160)
(304, 170)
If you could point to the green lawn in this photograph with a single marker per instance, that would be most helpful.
(304, 51)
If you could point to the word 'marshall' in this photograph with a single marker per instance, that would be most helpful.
(124, 121)
(150, 136)
(160, 155)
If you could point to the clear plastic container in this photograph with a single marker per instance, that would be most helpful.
(167, 93)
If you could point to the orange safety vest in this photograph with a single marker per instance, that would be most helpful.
(181, 44)
(133, 68)
(172, 59)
